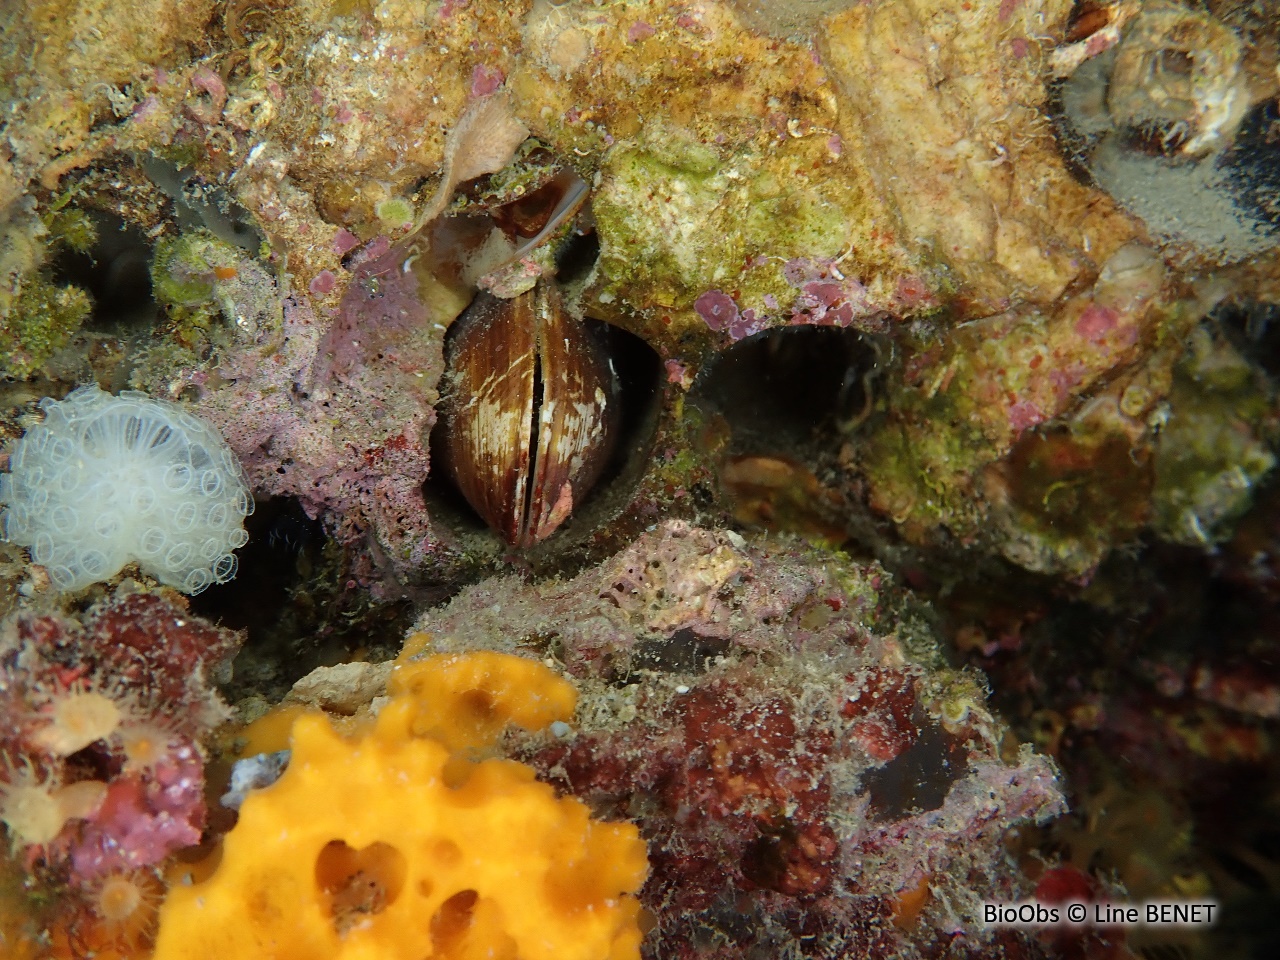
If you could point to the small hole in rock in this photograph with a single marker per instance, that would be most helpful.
(1254, 329)
(283, 549)
(475, 710)
(578, 257)
(777, 861)
(290, 595)
(452, 923)
(445, 852)
(116, 271)
(359, 883)
(778, 407)
(785, 390)
(683, 652)
(919, 778)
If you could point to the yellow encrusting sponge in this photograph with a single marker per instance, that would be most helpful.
(391, 847)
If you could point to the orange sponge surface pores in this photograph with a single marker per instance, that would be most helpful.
(387, 847)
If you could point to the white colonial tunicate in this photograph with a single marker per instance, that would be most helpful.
(107, 480)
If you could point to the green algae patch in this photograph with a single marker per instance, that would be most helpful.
(1216, 446)
(922, 463)
(198, 277)
(185, 269)
(675, 221)
(37, 316)
(664, 228)
(40, 321)
(72, 228)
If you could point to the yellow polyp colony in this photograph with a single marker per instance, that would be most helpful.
(370, 847)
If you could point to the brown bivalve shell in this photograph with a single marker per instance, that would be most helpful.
(531, 412)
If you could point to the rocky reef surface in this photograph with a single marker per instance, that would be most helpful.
(971, 298)
(805, 768)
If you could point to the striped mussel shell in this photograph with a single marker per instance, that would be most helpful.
(530, 414)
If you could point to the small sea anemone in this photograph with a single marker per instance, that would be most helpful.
(35, 810)
(31, 812)
(145, 745)
(77, 719)
(126, 906)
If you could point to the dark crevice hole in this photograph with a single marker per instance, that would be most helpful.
(294, 597)
(1253, 328)
(780, 407)
(452, 923)
(790, 390)
(359, 883)
(919, 778)
(283, 549)
(1252, 163)
(116, 272)
(534, 417)
(683, 652)
(577, 257)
